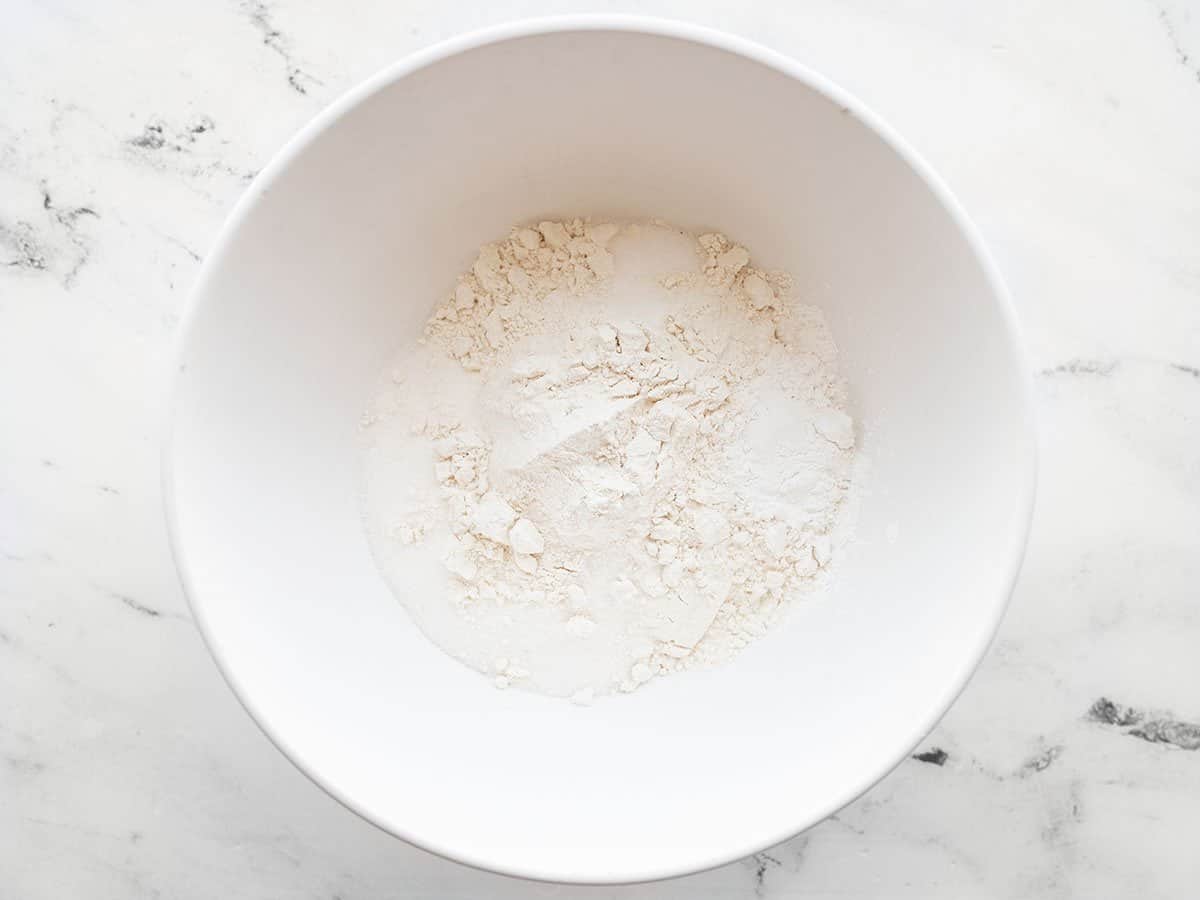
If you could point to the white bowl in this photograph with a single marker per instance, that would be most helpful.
(335, 256)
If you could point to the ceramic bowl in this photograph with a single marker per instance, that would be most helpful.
(335, 256)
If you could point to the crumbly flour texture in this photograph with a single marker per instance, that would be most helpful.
(617, 452)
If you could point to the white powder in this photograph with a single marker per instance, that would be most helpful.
(621, 451)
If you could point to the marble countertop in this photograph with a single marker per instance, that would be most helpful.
(1069, 767)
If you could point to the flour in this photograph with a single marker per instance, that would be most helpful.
(639, 451)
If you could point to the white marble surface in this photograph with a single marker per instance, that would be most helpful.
(1071, 132)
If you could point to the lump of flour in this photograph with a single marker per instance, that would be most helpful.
(621, 450)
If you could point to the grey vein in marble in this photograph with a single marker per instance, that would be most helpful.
(935, 756)
(1159, 729)
(157, 135)
(188, 149)
(135, 605)
(261, 16)
(1104, 367)
(32, 246)
(1082, 367)
(1040, 762)
(762, 864)
(1181, 54)
(68, 219)
(1193, 371)
(24, 251)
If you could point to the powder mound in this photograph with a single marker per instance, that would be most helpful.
(499, 299)
(640, 452)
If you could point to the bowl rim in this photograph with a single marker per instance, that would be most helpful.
(654, 27)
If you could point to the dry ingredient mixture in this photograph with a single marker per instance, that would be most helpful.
(619, 451)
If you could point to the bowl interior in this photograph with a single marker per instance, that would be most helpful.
(337, 259)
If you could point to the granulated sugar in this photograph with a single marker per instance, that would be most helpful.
(622, 450)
